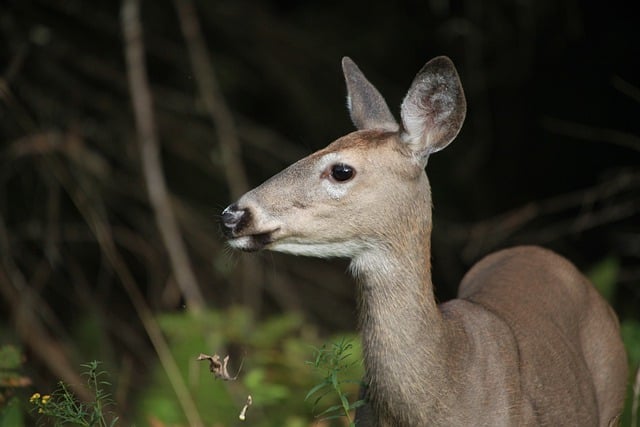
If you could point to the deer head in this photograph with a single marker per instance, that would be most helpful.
(356, 194)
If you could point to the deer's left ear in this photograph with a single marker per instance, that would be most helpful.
(367, 107)
(434, 108)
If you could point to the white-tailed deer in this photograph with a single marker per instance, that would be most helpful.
(528, 341)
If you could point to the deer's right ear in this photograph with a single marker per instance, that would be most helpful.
(367, 107)
(434, 108)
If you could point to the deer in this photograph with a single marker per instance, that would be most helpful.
(528, 341)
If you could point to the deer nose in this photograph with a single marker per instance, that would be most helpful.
(233, 219)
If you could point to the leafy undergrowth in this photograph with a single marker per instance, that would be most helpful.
(604, 276)
(268, 358)
(11, 383)
(631, 337)
(267, 361)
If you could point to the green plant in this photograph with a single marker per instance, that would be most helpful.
(12, 381)
(61, 407)
(332, 362)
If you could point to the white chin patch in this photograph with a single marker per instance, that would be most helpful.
(241, 243)
(319, 250)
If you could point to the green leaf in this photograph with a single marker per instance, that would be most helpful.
(604, 276)
(357, 404)
(345, 403)
(329, 410)
(319, 398)
(315, 389)
(332, 417)
(334, 379)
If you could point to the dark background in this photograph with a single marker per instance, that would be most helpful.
(549, 153)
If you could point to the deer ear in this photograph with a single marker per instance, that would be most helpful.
(434, 108)
(367, 107)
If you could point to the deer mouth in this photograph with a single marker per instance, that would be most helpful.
(252, 242)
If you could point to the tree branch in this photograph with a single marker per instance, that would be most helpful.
(213, 99)
(591, 133)
(150, 152)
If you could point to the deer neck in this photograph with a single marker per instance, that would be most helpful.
(404, 334)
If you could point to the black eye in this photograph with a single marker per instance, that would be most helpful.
(342, 172)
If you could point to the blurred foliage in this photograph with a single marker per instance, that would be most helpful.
(604, 276)
(12, 383)
(11, 413)
(631, 336)
(269, 358)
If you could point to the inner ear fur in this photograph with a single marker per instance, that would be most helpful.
(434, 108)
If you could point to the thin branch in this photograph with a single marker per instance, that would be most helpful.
(150, 151)
(488, 234)
(625, 87)
(228, 140)
(591, 133)
(584, 222)
(25, 308)
(213, 99)
(92, 211)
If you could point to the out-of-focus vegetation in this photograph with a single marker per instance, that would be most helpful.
(605, 276)
(11, 383)
(109, 247)
(268, 361)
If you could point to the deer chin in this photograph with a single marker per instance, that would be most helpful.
(272, 241)
(252, 242)
(331, 249)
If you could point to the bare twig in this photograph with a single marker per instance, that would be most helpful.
(591, 133)
(92, 211)
(486, 235)
(15, 65)
(24, 306)
(213, 99)
(585, 221)
(150, 151)
(625, 87)
(228, 140)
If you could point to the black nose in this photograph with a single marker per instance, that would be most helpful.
(234, 219)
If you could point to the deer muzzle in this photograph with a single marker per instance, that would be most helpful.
(237, 226)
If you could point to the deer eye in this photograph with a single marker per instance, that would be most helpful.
(341, 172)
